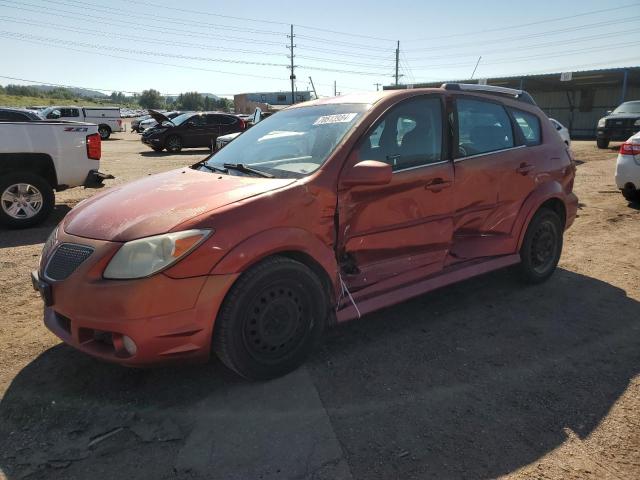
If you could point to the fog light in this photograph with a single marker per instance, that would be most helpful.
(129, 345)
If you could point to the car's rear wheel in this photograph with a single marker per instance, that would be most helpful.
(271, 319)
(602, 142)
(173, 143)
(542, 246)
(630, 193)
(26, 199)
(104, 131)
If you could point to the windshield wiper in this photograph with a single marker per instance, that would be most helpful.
(241, 167)
(213, 169)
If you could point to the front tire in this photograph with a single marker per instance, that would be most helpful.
(26, 199)
(542, 247)
(173, 144)
(104, 131)
(602, 142)
(271, 319)
(630, 193)
(157, 149)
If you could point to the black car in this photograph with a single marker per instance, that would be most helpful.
(620, 124)
(190, 130)
(18, 115)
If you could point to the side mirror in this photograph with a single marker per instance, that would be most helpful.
(368, 172)
(54, 115)
(191, 124)
(609, 112)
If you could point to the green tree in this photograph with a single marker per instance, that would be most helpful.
(190, 101)
(151, 99)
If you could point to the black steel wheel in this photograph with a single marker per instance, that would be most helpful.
(602, 142)
(271, 319)
(542, 246)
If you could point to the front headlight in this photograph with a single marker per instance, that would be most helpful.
(601, 122)
(146, 256)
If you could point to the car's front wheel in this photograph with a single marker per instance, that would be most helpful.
(602, 142)
(173, 144)
(271, 319)
(542, 246)
(26, 199)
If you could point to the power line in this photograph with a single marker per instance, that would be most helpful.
(511, 27)
(134, 51)
(523, 37)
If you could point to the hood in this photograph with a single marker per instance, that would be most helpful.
(620, 116)
(158, 203)
(158, 116)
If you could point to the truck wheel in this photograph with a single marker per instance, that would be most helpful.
(26, 199)
(271, 319)
(104, 131)
(173, 144)
(602, 142)
(542, 247)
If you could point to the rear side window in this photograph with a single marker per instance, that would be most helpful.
(69, 112)
(529, 125)
(483, 127)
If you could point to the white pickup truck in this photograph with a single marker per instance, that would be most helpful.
(108, 119)
(39, 157)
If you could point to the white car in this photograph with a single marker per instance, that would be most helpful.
(152, 122)
(562, 131)
(628, 168)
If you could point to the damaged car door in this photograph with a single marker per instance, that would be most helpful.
(404, 227)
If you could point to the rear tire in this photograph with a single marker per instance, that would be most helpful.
(602, 142)
(26, 199)
(630, 193)
(271, 319)
(157, 149)
(104, 131)
(173, 144)
(542, 247)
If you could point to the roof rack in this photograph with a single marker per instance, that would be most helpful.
(508, 92)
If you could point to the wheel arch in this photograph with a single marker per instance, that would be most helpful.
(550, 195)
(38, 163)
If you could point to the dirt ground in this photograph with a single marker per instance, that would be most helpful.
(484, 379)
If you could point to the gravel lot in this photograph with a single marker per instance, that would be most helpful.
(483, 379)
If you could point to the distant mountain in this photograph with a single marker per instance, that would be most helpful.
(80, 92)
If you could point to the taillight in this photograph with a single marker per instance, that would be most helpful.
(629, 148)
(243, 124)
(94, 146)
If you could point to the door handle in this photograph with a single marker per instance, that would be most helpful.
(437, 184)
(524, 168)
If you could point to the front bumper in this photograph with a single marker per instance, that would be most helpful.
(151, 141)
(617, 134)
(169, 320)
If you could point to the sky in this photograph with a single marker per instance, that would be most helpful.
(236, 47)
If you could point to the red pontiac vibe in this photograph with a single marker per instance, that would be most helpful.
(322, 213)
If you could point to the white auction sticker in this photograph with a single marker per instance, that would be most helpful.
(339, 118)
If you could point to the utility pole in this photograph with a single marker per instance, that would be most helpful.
(335, 88)
(314, 87)
(476, 67)
(397, 62)
(378, 85)
(293, 75)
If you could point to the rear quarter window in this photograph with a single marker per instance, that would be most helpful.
(529, 125)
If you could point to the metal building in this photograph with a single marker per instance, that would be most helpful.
(576, 99)
(247, 102)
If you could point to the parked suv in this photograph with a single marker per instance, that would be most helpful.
(620, 124)
(320, 214)
(190, 130)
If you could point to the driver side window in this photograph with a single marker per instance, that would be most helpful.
(409, 135)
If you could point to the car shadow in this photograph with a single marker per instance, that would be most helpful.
(33, 235)
(472, 381)
(635, 204)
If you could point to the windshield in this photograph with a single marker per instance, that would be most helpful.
(291, 143)
(181, 118)
(628, 107)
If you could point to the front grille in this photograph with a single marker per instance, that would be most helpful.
(620, 122)
(66, 259)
